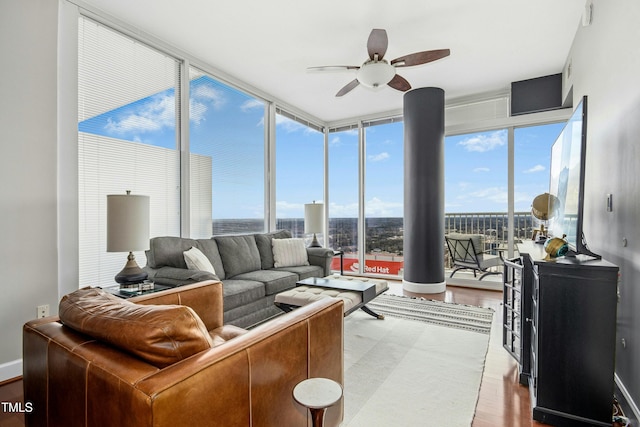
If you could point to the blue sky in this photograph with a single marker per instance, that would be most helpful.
(228, 125)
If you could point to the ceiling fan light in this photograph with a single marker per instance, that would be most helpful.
(376, 74)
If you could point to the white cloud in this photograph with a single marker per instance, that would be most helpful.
(208, 93)
(286, 209)
(493, 194)
(376, 207)
(289, 125)
(343, 211)
(251, 104)
(202, 97)
(536, 168)
(482, 170)
(378, 157)
(335, 141)
(485, 142)
(158, 113)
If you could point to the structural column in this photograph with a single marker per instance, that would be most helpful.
(424, 191)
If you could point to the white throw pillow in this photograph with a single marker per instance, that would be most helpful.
(289, 252)
(196, 260)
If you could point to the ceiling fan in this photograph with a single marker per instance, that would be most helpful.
(376, 71)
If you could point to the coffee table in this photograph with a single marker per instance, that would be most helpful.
(355, 293)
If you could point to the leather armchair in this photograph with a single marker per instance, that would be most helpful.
(244, 379)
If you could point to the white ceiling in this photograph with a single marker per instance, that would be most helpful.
(269, 44)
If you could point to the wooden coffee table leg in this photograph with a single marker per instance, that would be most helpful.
(372, 313)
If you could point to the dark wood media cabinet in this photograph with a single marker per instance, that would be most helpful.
(563, 334)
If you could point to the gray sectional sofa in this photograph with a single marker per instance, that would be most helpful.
(244, 264)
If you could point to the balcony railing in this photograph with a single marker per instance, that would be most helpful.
(384, 237)
(493, 225)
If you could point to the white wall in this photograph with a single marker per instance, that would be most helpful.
(605, 66)
(28, 184)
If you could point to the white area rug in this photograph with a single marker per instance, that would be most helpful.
(402, 372)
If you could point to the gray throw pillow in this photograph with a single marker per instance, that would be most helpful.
(239, 254)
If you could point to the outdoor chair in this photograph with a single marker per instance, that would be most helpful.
(466, 251)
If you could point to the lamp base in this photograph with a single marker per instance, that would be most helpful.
(314, 243)
(131, 273)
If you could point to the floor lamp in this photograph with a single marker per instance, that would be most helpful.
(314, 221)
(128, 231)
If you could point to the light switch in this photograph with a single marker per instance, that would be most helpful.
(609, 202)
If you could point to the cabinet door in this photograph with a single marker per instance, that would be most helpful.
(511, 308)
(533, 381)
(575, 341)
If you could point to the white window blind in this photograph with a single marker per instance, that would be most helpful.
(227, 155)
(127, 121)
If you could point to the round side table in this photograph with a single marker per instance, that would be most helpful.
(317, 394)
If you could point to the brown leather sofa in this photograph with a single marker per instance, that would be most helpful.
(140, 371)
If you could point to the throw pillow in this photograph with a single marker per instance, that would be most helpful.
(196, 260)
(239, 254)
(159, 334)
(263, 240)
(289, 253)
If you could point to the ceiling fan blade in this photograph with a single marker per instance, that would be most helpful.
(348, 88)
(377, 43)
(334, 68)
(420, 58)
(399, 83)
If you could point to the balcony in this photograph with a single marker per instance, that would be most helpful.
(384, 258)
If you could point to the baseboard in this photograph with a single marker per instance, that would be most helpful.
(424, 288)
(630, 407)
(10, 370)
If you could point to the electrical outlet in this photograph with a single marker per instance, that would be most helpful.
(43, 311)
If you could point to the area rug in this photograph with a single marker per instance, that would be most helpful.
(402, 372)
(458, 316)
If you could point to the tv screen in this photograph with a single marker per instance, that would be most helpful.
(568, 155)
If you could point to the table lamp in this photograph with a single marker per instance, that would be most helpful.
(128, 231)
(314, 221)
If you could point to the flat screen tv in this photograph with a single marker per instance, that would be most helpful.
(568, 155)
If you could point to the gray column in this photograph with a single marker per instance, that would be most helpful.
(424, 191)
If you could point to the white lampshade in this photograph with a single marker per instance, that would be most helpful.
(127, 223)
(313, 217)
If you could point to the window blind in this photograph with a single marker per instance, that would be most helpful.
(127, 121)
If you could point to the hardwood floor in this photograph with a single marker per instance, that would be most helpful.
(11, 392)
(502, 401)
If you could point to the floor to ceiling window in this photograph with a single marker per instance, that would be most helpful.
(130, 128)
(127, 115)
(299, 171)
(476, 181)
(384, 195)
(227, 152)
(476, 184)
(532, 158)
(344, 202)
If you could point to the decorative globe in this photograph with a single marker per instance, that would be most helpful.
(556, 247)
